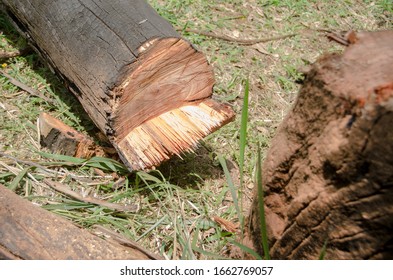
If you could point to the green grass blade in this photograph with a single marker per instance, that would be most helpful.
(6, 175)
(106, 164)
(323, 251)
(247, 249)
(14, 184)
(261, 206)
(242, 146)
(151, 228)
(145, 177)
(62, 158)
(231, 186)
(243, 131)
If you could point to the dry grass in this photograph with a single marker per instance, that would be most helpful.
(177, 203)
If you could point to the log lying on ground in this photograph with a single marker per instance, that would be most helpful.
(62, 139)
(30, 232)
(328, 175)
(143, 85)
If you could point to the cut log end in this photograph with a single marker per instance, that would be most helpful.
(172, 133)
(163, 108)
(169, 73)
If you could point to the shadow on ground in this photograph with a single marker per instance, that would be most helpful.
(192, 168)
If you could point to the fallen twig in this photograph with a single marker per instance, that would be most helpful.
(344, 38)
(238, 40)
(103, 231)
(29, 163)
(88, 199)
(338, 38)
(226, 225)
(26, 88)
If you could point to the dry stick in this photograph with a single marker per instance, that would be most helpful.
(238, 40)
(88, 199)
(343, 38)
(100, 230)
(26, 88)
(226, 225)
(29, 163)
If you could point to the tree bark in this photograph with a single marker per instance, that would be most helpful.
(30, 232)
(62, 139)
(328, 175)
(139, 81)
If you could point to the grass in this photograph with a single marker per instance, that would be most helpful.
(261, 206)
(177, 202)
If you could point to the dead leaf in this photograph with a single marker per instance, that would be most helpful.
(226, 225)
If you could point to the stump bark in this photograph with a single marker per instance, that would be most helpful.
(143, 85)
(31, 233)
(328, 175)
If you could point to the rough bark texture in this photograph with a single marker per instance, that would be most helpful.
(62, 139)
(126, 65)
(328, 175)
(29, 232)
(92, 44)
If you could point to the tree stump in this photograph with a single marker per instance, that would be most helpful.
(144, 86)
(328, 176)
(31, 233)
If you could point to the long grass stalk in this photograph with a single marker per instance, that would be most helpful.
(246, 249)
(243, 132)
(151, 228)
(232, 187)
(15, 183)
(242, 148)
(323, 250)
(261, 206)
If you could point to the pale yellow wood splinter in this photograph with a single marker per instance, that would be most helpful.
(173, 133)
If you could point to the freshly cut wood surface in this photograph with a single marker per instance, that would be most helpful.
(31, 233)
(127, 66)
(329, 172)
(172, 132)
(170, 69)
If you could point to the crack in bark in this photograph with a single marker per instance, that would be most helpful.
(8, 255)
(111, 29)
(308, 235)
(300, 211)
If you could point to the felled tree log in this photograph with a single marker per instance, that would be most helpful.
(328, 175)
(31, 233)
(143, 85)
(62, 139)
